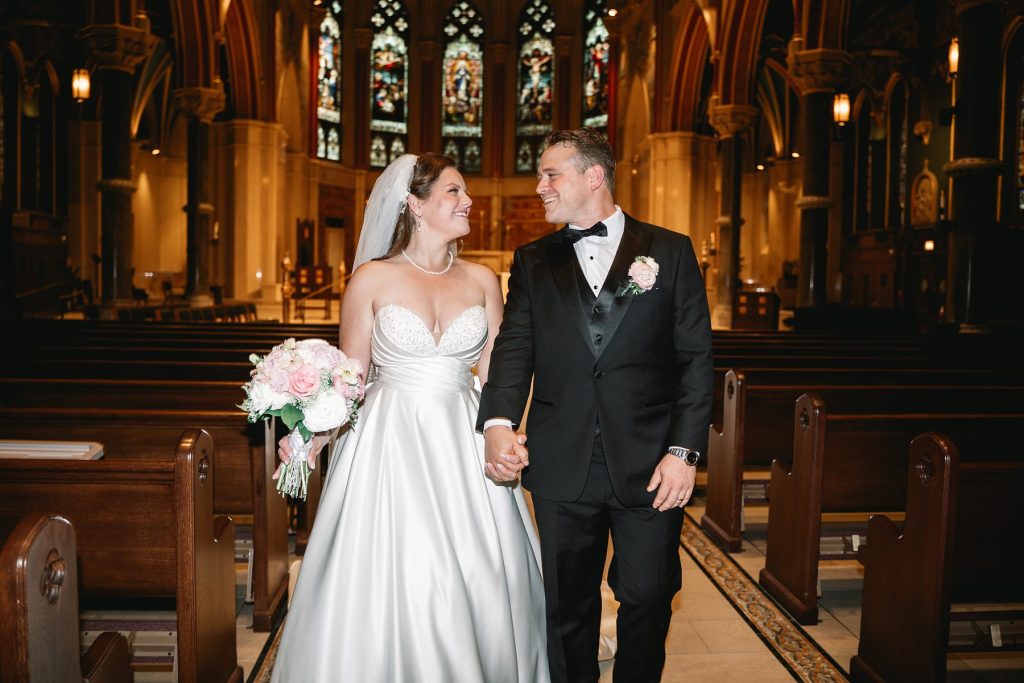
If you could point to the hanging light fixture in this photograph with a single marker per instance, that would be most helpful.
(954, 57)
(841, 108)
(80, 85)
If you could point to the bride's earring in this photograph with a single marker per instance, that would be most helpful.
(419, 223)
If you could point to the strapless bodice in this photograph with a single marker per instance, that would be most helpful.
(407, 357)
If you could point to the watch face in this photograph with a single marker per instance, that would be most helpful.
(691, 458)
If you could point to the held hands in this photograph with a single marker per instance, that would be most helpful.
(505, 454)
(674, 480)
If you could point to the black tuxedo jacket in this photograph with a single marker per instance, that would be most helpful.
(639, 365)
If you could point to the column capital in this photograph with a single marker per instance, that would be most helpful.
(116, 46)
(972, 166)
(821, 70)
(498, 52)
(563, 45)
(429, 49)
(200, 103)
(363, 38)
(732, 119)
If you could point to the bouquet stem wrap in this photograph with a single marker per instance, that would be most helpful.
(293, 479)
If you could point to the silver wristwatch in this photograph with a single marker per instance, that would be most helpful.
(687, 455)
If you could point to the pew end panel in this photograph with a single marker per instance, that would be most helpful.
(270, 533)
(39, 610)
(894, 617)
(723, 515)
(800, 479)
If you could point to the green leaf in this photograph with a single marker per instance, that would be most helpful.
(290, 415)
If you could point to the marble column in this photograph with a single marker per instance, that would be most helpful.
(818, 73)
(613, 24)
(117, 49)
(975, 167)
(730, 120)
(199, 105)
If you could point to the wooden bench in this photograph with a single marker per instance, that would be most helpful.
(848, 462)
(39, 611)
(758, 408)
(146, 532)
(245, 461)
(960, 543)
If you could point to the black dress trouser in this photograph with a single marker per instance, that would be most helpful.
(644, 573)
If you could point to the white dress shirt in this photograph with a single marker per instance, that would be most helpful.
(595, 254)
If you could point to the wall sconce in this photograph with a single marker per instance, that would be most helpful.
(81, 85)
(954, 57)
(841, 108)
(929, 245)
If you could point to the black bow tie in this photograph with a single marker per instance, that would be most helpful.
(598, 230)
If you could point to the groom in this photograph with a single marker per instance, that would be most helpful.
(609, 319)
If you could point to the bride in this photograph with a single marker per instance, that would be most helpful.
(419, 568)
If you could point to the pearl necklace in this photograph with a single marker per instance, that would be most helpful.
(451, 260)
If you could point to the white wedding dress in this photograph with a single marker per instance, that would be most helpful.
(418, 568)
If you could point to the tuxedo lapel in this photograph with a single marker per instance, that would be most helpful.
(635, 242)
(562, 258)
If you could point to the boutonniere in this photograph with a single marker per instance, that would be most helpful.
(642, 275)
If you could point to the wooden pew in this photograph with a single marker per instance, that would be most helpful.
(39, 611)
(245, 461)
(146, 530)
(848, 462)
(757, 402)
(960, 543)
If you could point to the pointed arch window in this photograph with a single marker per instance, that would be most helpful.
(535, 83)
(595, 65)
(328, 84)
(389, 77)
(462, 94)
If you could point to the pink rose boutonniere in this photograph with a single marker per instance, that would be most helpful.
(643, 273)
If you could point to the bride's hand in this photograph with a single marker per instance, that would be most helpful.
(284, 449)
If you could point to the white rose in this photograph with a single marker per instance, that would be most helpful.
(328, 411)
(262, 398)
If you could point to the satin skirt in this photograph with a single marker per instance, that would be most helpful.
(418, 567)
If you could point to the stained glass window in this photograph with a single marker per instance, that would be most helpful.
(328, 85)
(463, 86)
(389, 71)
(595, 65)
(535, 83)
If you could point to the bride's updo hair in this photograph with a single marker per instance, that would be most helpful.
(425, 173)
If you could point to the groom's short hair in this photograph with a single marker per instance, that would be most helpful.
(591, 149)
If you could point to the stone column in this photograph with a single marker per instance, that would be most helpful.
(817, 73)
(613, 24)
(199, 105)
(361, 112)
(430, 95)
(975, 167)
(498, 58)
(563, 67)
(730, 120)
(118, 49)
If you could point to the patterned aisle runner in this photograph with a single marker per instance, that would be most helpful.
(784, 637)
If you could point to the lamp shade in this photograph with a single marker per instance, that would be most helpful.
(80, 85)
(841, 108)
(954, 56)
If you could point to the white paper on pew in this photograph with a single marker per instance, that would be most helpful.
(51, 450)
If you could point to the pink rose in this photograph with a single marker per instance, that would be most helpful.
(643, 274)
(303, 381)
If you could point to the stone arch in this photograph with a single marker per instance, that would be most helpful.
(739, 40)
(243, 60)
(692, 52)
(196, 26)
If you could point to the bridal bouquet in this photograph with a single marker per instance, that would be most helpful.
(313, 387)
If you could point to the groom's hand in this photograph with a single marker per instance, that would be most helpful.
(505, 454)
(674, 480)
